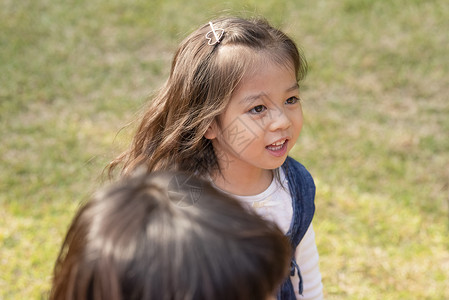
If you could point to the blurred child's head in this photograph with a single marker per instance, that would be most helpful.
(202, 80)
(168, 236)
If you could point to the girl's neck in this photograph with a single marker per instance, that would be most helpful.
(242, 181)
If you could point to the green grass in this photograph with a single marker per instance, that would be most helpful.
(73, 73)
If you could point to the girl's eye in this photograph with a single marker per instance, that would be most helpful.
(257, 109)
(292, 100)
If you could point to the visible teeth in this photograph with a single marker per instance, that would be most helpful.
(278, 143)
(276, 146)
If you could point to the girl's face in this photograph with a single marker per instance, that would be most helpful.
(262, 121)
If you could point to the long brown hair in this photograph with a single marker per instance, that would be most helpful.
(168, 235)
(202, 78)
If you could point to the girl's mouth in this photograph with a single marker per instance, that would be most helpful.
(278, 148)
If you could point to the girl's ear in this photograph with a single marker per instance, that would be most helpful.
(211, 132)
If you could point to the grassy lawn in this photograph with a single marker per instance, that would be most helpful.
(376, 133)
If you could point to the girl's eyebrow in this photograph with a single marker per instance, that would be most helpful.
(293, 87)
(252, 98)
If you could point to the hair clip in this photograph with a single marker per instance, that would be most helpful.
(214, 36)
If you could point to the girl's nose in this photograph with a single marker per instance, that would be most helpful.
(280, 120)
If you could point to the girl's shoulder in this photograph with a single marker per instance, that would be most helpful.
(300, 181)
(302, 190)
(294, 168)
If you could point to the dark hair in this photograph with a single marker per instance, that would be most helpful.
(202, 79)
(172, 236)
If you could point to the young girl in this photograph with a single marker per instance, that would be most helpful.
(171, 236)
(230, 112)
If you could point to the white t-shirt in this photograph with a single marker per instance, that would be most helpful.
(275, 204)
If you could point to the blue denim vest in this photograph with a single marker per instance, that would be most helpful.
(302, 190)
